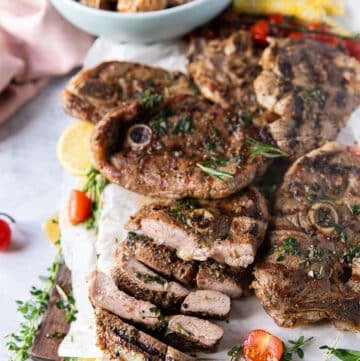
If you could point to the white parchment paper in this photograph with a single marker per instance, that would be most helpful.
(83, 251)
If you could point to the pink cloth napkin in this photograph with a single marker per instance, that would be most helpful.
(35, 44)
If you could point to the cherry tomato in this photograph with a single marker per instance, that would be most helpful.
(260, 31)
(354, 150)
(352, 48)
(295, 35)
(5, 235)
(260, 345)
(79, 206)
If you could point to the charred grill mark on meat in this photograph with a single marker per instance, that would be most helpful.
(228, 231)
(196, 149)
(304, 82)
(95, 91)
(312, 272)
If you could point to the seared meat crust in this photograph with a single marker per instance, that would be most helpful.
(313, 88)
(93, 92)
(312, 272)
(228, 230)
(168, 150)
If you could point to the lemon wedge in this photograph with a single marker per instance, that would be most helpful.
(73, 148)
(51, 228)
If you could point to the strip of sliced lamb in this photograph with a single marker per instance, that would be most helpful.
(228, 230)
(311, 272)
(206, 303)
(161, 259)
(141, 282)
(104, 294)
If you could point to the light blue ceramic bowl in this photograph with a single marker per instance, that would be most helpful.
(142, 27)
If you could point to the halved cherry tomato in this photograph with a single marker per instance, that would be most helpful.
(79, 206)
(260, 345)
(354, 150)
(260, 31)
(5, 235)
(352, 48)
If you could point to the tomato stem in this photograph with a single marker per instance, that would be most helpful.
(7, 216)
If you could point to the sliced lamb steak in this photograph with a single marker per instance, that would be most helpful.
(206, 303)
(312, 86)
(93, 92)
(219, 277)
(312, 270)
(193, 334)
(161, 259)
(228, 230)
(141, 282)
(104, 294)
(182, 147)
(173, 354)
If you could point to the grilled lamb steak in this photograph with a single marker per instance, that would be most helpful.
(161, 259)
(313, 88)
(224, 70)
(312, 272)
(183, 147)
(104, 294)
(219, 277)
(93, 92)
(227, 230)
(139, 281)
(193, 334)
(206, 303)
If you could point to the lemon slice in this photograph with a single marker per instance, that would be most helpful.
(51, 228)
(73, 148)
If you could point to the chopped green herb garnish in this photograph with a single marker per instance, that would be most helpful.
(289, 246)
(155, 310)
(31, 310)
(150, 100)
(146, 278)
(351, 253)
(67, 303)
(339, 228)
(215, 173)
(58, 335)
(235, 352)
(159, 123)
(295, 348)
(266, 150)
(355, 209)
(183, 126)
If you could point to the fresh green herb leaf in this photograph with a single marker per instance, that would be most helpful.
(146, 278)
(150, 100)
(182, 126)
(235, 352)
(289, 246)
(67, 303)
(342, 353)
(94, 186)
(159, 123)
(266, 150)
(355, 209)
(351, 253)
(183, 331)
(296, 347)
(215, 173)
(31, 310)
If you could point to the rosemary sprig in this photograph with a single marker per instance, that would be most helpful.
(215, 173)
(67, 303)
(94, 186)
(263, 149)
(19, 343)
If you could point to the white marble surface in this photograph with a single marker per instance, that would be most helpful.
(30, 185)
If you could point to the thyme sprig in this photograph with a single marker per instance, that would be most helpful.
(266, 150)
(67, 303)
(94, 186)
(19, 343)
(215, 173)
(295, 348)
